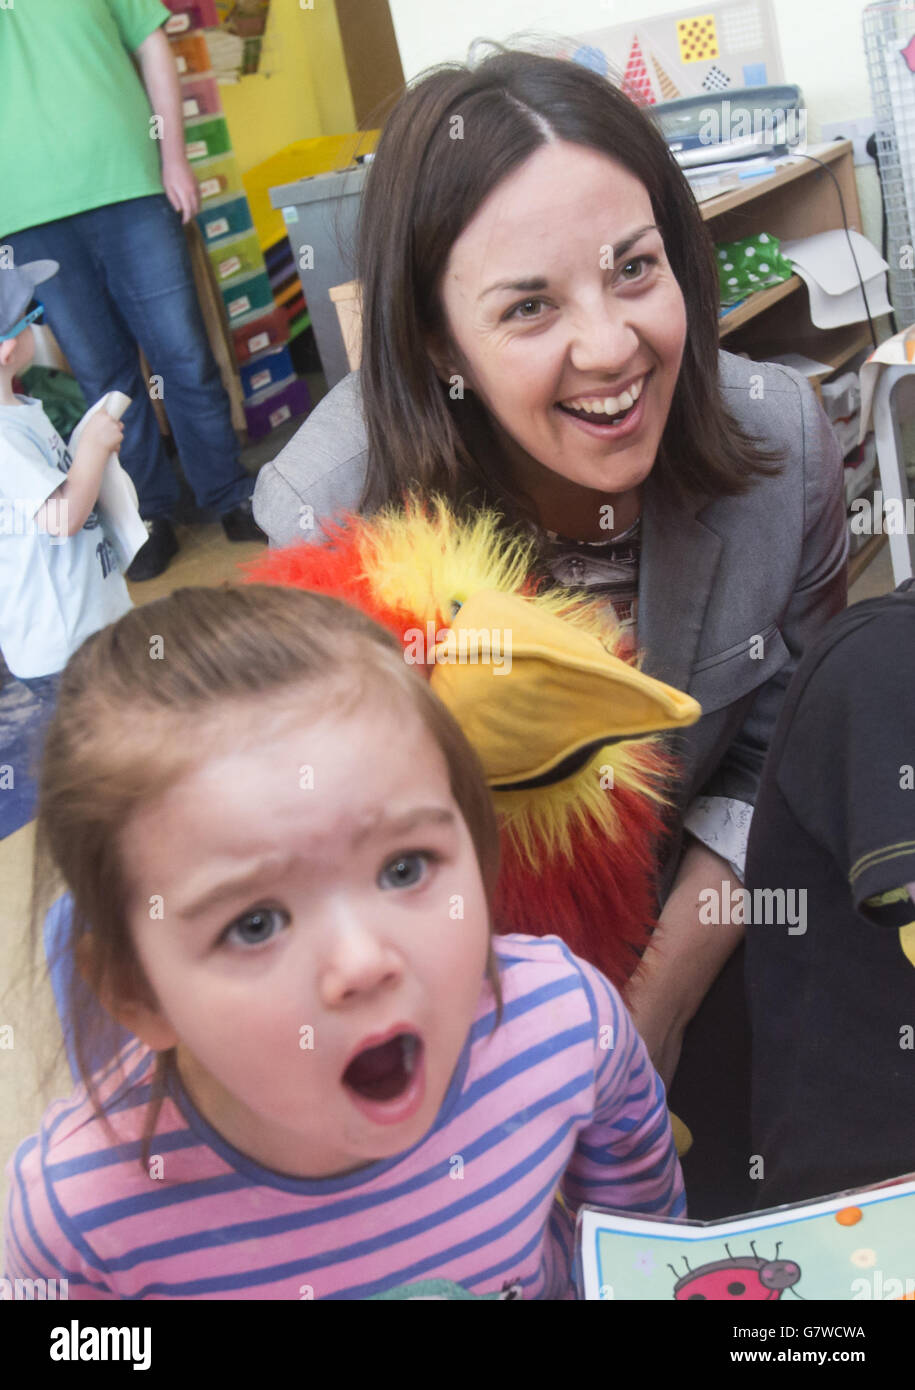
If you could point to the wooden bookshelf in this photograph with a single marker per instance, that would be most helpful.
(869, 551)
(799, 200)
(800, 209)
(757, 304)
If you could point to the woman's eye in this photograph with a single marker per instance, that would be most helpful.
(641, 263)
(256, 927)
(524, 305)
(405, 870)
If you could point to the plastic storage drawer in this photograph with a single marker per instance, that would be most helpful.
(191, 55)
(257, 332)
(268, 409)
(236, 255)
(204, 11)
(247, 294)
(218, 176)
(184, 21)
(266, 371)
(225, 218)
(205, 137)
(200, 97)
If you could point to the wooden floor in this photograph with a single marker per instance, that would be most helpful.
(206, 557)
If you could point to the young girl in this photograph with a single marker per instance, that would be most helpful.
(281, 851)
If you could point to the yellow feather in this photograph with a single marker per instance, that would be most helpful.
(424, 560)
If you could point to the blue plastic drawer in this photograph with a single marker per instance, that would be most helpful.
(266, 370)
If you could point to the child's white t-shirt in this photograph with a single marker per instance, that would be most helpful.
(54, 591)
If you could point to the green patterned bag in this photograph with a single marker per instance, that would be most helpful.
(755, 263)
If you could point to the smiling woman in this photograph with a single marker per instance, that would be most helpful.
(552, 183)
(540, 334)
(578, 392)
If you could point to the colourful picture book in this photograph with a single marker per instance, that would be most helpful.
(856, 1245)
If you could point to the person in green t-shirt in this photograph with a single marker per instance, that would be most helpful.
(97, 179)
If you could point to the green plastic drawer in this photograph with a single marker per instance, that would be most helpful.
(236, 255)
(205, 137)
(218, 176)
(247, 294)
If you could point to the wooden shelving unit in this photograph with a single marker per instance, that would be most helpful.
(859, 563)
(800, 212)
(757, 304)
(799, 200)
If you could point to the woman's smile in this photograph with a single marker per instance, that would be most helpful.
(578, 377)
(610, 417)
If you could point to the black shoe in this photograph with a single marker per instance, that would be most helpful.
(154, 557)
(239, 523)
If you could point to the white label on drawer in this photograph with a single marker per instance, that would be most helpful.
(260, 379)
(180, 62)
(196, 149)
(210, 187)
(260, 340)
(191, 107)
(278, 416)
(239, 306)
(229, 267)
(177, 24)
(290, 215)
(218, 227)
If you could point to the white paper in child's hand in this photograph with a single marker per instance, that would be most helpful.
(117, 503)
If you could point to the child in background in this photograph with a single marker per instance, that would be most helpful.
(59, 575)
(281, 851)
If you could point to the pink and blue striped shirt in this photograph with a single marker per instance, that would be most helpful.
(559, 1098)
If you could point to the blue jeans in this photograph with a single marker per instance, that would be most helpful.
(125, 279)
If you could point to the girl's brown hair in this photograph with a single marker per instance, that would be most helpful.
(424, 187)
(144, 701)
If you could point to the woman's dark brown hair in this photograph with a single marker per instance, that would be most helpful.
(422, 190)
(144, 701)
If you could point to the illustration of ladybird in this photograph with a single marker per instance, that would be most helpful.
(749, 1278)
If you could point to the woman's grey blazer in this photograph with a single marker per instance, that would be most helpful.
(730, 590)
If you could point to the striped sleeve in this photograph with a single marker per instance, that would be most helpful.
(42, 1238)
(626, 1156)
(39, 1243)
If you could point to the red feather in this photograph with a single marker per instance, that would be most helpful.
(602, 904)
(334, 569)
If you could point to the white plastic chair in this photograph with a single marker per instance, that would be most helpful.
(894, 400)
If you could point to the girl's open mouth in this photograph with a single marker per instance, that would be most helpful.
(387, 1082)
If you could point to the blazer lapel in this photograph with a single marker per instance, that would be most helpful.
(677, 567)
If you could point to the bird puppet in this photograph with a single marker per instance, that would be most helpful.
(567, 728)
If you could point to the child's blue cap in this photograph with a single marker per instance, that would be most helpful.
(17, 290)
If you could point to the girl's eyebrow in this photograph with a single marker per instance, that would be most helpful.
(536, 283)
(402, 825)
(271, 865)
(274, 865)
